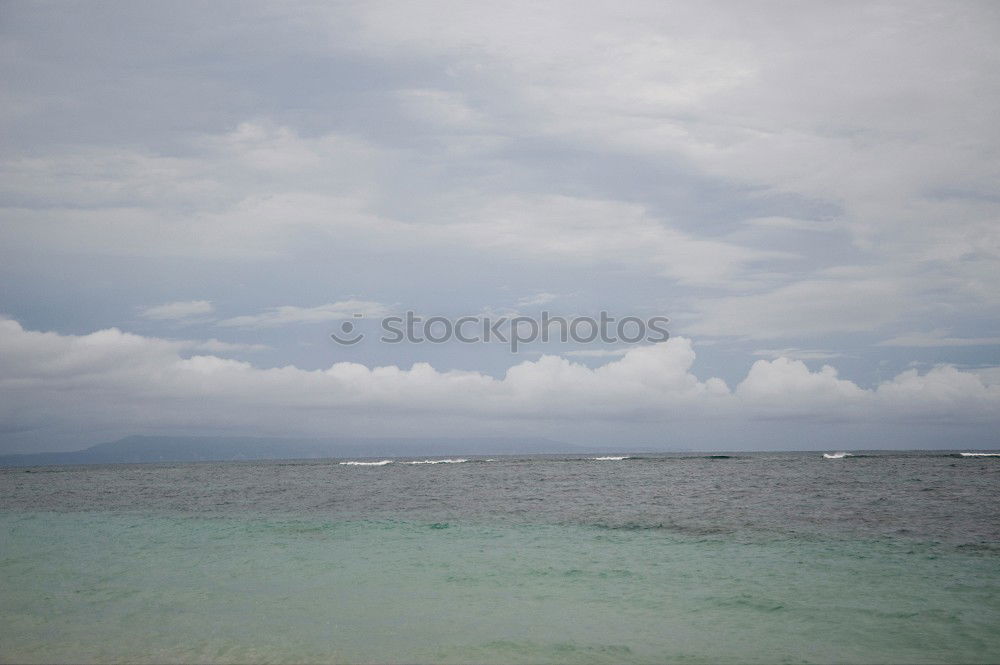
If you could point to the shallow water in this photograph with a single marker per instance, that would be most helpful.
(750, 558)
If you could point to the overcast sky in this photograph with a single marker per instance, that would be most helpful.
(193, 196)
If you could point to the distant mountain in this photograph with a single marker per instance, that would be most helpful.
(143, 449)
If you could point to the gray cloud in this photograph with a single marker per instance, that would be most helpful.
(818, 175)
(178, 310)
(290, 314)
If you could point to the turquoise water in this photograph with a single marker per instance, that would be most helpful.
(229, 584)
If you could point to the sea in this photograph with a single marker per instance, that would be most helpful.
(876, 557)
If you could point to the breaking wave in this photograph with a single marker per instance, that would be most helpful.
(837, 455)
(439, 461)
(379, 463)
(610, 458)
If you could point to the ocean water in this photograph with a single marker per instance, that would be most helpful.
(747, 558)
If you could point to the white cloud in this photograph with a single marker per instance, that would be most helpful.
(941, 389)
(989, 375)
(112, 378)
(178, 310)
(789, 385)
(291, 314)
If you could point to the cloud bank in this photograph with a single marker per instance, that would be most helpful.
(111, 378)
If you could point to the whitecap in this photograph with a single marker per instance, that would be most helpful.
(438, 461)
(381, 463)
(837, 455)
(980, 454)
(610, 458)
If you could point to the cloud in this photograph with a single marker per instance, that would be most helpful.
(262, 191)
(793, 353)
(596, 353)
(216, 346)
(178, 310)
(989, 375)
(440, 107)
(789, 224)
(542, 298)
(249, 193)
(881, 123)
(942, 387)
(787, 385)
(780, 173)
(290, 314)
(816, 120)
(111, 378)
(938, 338)
(835, 303)
(587, 231)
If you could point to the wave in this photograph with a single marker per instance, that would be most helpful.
(439, 461)
(610, 458)
(380, 463)
(837, 455)
(979, 454)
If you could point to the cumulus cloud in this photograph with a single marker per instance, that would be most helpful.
(788, 385)
(178, 310)
(113, 377)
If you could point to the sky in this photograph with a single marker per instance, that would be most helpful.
(194, 196)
